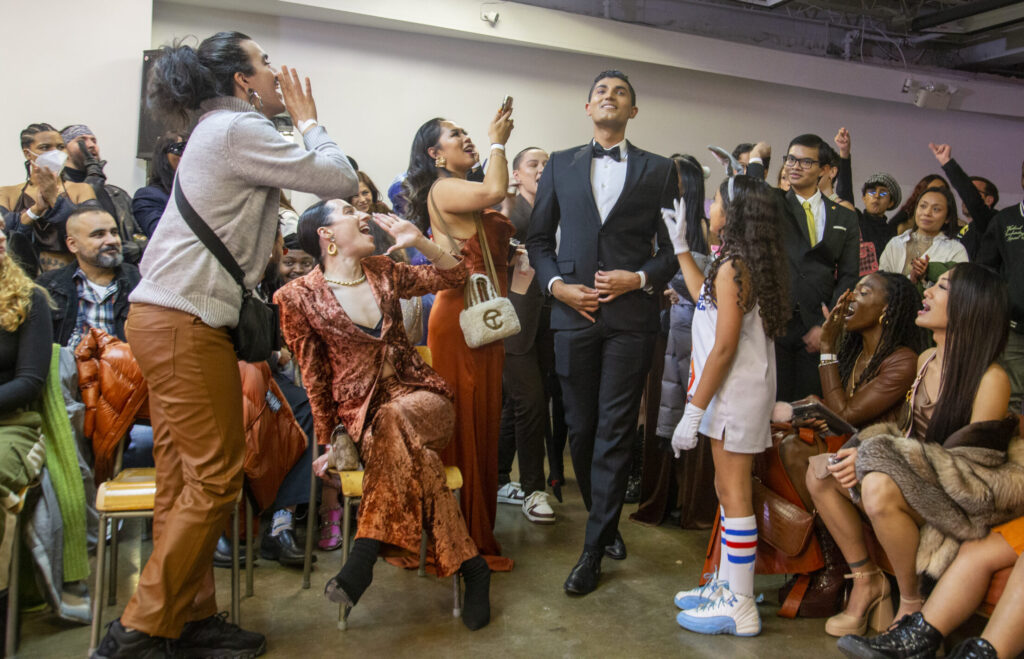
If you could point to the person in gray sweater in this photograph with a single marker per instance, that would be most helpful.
(232, 173)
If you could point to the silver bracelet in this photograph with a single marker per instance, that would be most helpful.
(32, 215)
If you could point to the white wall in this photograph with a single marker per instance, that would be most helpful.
(74, 61)
(374, 87)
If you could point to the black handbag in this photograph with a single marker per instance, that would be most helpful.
(257, 333)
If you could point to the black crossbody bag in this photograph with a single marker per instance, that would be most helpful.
(257, 333)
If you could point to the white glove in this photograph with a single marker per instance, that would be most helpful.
(685, 436)
(675, 221)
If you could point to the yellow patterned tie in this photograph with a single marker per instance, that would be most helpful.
(812, 228)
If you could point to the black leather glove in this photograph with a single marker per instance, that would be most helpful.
(93, 167)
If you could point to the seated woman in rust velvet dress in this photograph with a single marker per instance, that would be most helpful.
(343, 323)
(442, 199)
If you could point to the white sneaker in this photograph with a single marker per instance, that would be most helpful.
(537, 509)
(709, 592)
(511, 493)
(729, 614)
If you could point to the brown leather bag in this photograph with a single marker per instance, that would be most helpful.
(785, 530)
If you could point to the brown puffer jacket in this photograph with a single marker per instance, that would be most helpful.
(115, 395)
(274, 441)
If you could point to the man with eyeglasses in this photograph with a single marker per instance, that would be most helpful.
(821, 239)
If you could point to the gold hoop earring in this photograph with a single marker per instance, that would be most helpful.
(255, 100)
(440, 162)
(332, 249)
(881, 319)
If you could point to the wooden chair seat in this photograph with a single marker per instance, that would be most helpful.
(131, 489)
(995, 590)
(352, 481)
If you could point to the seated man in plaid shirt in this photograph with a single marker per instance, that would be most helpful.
(93, 290)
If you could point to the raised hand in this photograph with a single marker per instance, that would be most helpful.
(297, 101)
(47, 182)
(842, 141)
(404, 232)
(835, 321)
(675, 221)
(501, 127)
(942, 152)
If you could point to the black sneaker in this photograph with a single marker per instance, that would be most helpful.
(134, 644)
(216, 637)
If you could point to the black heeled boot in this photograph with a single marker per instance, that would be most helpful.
(476, 608)
(355, 576)
(913, 638)
(974, 648)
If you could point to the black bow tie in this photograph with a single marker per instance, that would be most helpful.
(600, 152)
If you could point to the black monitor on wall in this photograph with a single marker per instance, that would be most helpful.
(149, 128)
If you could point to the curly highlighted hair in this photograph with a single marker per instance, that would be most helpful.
(15, 294)
(750, 238)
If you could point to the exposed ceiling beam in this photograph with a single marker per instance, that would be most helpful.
(972, 17)
(997, 51)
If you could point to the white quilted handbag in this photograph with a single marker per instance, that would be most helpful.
(488, 317)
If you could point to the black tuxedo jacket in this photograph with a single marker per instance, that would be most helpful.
(822, 273)
(632, 237)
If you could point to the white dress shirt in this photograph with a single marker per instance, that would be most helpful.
(818, 210)
(607, 178)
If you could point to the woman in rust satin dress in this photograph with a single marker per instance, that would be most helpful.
(344, 325)
(439, 195)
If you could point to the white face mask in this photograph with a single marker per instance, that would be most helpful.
(52, 160)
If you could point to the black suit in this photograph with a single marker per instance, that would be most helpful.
(602, 365)
(818, 274)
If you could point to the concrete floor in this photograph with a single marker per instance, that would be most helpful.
(402, 615)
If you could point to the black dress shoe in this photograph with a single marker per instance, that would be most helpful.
(282, 548)
(583, 578)
(222, 554)
(617, 550)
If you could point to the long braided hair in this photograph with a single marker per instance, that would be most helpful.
(898, 329)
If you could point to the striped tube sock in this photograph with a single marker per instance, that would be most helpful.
(739, 549)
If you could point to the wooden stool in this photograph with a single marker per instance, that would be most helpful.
(129, 495)
(352, 494)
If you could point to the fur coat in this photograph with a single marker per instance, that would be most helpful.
(962, 488)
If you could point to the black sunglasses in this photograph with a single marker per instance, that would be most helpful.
(177, 148)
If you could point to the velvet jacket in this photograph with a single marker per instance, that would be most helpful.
(341, 364)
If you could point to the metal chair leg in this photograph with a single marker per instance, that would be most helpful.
(11, 641)
(457, 596)
(423, 554)
(346, 528)
(249, 558)
(307, 563)
(235, 572)
(112, 573)
(97, 600)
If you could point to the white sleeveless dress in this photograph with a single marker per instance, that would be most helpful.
(740, 412)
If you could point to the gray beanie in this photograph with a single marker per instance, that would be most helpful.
(882, 178)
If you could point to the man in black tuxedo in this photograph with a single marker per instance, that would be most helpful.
(604, 270)
(822, 243)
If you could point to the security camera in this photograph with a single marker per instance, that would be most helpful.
(490, 16)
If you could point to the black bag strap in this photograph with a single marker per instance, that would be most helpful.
(207, 236)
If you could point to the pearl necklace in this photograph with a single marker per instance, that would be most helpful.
(353, 282)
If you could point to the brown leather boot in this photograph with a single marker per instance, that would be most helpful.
(824, 597)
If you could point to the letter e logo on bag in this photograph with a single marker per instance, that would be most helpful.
(492, 318)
